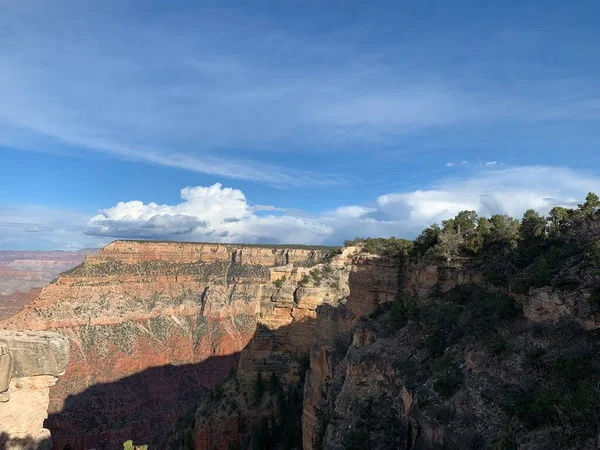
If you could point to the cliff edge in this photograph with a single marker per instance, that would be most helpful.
(30, 363)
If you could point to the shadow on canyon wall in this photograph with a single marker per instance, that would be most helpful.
(140, 407)
(144, 406)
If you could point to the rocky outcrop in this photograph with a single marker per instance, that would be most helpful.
(30, 363)
(168, 320)
(549, 306)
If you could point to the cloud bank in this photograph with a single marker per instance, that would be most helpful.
(222, 214)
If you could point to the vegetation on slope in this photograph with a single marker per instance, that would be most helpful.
(481, 375)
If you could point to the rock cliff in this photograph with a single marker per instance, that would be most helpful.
(277, 358)
(218, 347)
(30, 363)
(417, 356)
(152, 325)
(457, 363)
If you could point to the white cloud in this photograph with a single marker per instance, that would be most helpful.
(501, 191)
(491, 163)
(352, 212)
(221, 214)
(450, 164)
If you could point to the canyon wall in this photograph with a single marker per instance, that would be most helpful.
(418, 355)
(24, 273)
(278, 358)
(30, 363)
(25, 270)
(153, 325)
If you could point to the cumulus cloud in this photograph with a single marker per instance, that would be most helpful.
(162, 226)
(498, 191)
(450, 164)
(221, 214)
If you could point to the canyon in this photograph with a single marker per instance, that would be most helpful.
(153, 325)
(24, 273)
(372, 345)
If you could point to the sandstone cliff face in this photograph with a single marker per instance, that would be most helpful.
(468, 368)
(551, 306)
(167, 320)
(30, 363)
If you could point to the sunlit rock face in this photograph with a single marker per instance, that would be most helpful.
(30, 363)
(313, 334)
(152, 324)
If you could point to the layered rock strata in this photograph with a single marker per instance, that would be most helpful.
(25, 270)
(280, 351)
(153, 324)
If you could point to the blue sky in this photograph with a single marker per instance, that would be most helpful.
(289, 121)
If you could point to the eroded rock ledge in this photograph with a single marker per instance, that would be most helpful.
(30, 362)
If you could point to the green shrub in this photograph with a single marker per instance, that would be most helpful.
(316, 275)
(279, 282)
(508, 441)
(128, 445)
(495, 343)
(357, 440)
(594, 299)
(217, 392)
(188, 439)
(535, 357)
(273, 382)
(533, 407)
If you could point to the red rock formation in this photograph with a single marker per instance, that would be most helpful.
(151, 324)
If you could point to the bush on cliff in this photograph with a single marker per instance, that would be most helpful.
(128, 445)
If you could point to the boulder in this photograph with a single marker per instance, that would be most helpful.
(33, 353)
